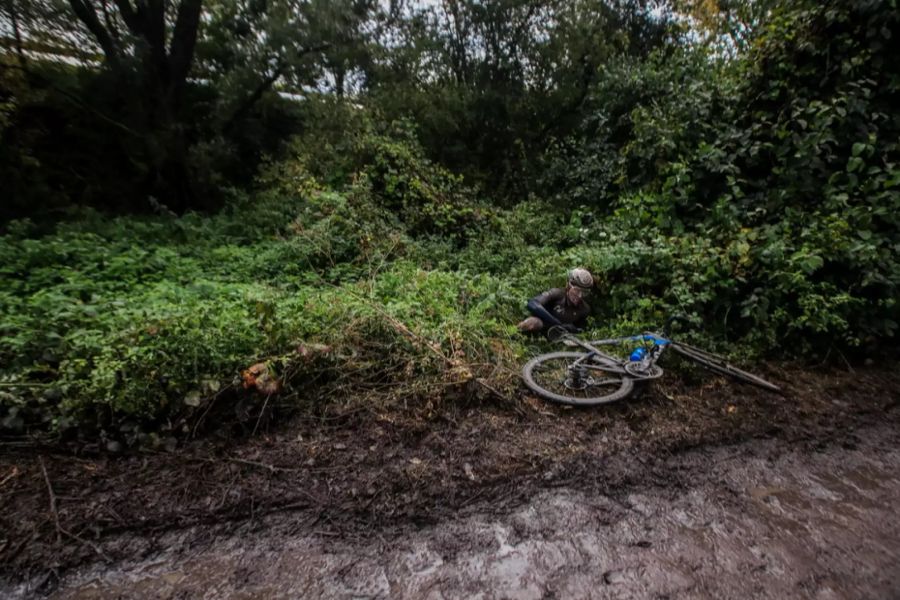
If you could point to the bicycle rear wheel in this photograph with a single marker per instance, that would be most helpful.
(719, 364)
(552, 377)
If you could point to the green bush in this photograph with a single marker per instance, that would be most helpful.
(109, 323)
(384, 166)
(117, 326)
(776, 177)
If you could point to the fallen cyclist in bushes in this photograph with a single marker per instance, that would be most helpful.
(561, 307)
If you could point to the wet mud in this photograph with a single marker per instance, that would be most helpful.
(752, 521)
(689, 492)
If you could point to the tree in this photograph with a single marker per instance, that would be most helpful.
(154, 41)
(174, 84)
(490, 84)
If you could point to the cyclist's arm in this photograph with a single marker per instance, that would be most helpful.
(536, 306)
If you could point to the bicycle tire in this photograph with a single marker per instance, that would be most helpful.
(719, 364)
(624, 386)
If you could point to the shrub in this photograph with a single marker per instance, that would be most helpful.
(130, 323)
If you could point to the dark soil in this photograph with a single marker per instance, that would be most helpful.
(367, 474)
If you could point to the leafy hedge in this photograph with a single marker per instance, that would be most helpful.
(784, 167)
(129, 325)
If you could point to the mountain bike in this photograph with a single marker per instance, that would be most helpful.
(591, 376)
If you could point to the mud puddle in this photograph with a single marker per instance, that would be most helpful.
(757, 519)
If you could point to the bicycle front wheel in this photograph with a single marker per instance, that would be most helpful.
(719, 364)
(552, 377)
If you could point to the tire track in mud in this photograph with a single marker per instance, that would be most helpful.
(762, 518)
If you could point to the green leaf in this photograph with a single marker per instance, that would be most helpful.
(811, 263)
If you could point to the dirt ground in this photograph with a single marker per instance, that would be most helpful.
(701, 489)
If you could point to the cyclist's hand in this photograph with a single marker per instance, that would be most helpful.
(558, 331)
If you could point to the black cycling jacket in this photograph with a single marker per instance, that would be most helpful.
(553, 308)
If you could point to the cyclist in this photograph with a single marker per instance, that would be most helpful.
(564, 307)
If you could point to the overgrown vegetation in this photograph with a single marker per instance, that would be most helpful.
(387, 249)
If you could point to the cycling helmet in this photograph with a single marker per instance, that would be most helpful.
(581, 278)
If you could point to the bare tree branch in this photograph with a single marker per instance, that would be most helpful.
(264, 85)
(184, 39)
(129, 16)
(254, 97)
(17, 34)
(84, 10)
(152, 13)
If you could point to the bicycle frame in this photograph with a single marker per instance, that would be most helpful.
(606, 362)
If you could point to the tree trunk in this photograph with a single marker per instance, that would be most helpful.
(163, 73)
(17, 34)
(340, 74)
(170, 178)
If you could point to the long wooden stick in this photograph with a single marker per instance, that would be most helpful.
(59, 529)
(52, 495)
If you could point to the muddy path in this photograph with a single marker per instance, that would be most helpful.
(698, 489)
(747, 520)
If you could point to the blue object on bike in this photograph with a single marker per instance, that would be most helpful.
(638, 354)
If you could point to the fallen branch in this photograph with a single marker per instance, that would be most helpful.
(262, 465)
(251, 463)
(60, 531)
(261, 413)
(13, 473)
(209, 405)
(88, 543)
(52, 495)
(491, 389)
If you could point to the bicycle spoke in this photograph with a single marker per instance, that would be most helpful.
(557, 379)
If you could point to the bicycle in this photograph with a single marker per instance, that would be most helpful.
(592, 377)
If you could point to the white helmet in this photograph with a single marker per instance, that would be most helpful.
(581, 278)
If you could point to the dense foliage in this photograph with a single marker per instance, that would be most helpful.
(736, 165)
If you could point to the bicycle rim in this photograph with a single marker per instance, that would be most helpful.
(719, 364)
(548, 376)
